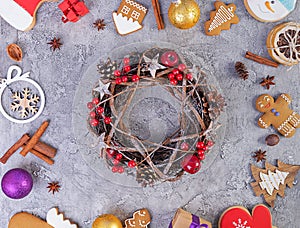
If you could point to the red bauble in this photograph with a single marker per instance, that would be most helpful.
(191, 164)
(90, 105)
(119, 156)
(96, 101)
(115, 162)
(131, 164)
(179, 77)
(184, 146)
(107, 120)
(175, 71)
(126, 61)
(181, 67)
(169, 58)
(114, 169)
(93, 115)
(117, 73)
(135, 78)
(118, 81)
(200, 145)
(124, 78)
(120, 169)
(171, 76)
(127, 68)
(210, 143)
(189, 76)
(99, 110)
(174, 82)
(111, 152)
(94, 122)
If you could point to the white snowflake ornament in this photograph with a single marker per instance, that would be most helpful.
(23, 102)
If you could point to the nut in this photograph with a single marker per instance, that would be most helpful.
(272, 140)
(14, 52)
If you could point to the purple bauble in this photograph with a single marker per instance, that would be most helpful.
(16, 183)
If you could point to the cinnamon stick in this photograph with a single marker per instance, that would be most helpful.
(261, 60)
(35, 138)
(157, 14)
(14, 148)
(41, 156)
(45, 149)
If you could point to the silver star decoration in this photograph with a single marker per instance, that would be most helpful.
(153, 65)
(102, 89)
(102, 144)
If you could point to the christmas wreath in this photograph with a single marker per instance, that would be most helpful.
(155, 116)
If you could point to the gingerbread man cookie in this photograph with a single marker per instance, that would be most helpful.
(141, 219)
(278, 114)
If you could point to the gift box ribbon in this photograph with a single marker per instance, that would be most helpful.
(72, 10)
(195, 223)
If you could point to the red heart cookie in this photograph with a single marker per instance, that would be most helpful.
(239, 217)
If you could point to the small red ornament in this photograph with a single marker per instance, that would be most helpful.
(191, 164)
(184, 146)
(200, 145)
(174, 82)
(115, 162)
(117, 73)
(124, 78)
(179, 77)
(202, 157)
(189, 76)
(171, 76)
(90, 105)
(94, 122)
(72, 10)
(131, 164)
(181, 67)
(107, 120)
(99, 110)
(135, 78)
(119, 156)
(204, 148)
(118, 81)
(169, 58)
(110, 151)
(175, 71)
(210, 143)
(126, 61)
(127, 68)
(120, 169)
(114, 169)
(200, 152)
(96, 100)
(93, 115)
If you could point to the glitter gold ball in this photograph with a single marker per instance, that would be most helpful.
(107, 221)
(184, 14)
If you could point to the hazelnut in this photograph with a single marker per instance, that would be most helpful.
(272, 140)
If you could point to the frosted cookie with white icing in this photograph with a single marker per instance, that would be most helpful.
(269, 11)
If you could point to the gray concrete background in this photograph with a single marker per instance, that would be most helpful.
(85, 194)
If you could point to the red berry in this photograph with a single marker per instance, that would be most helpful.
(94, 122)
(202, 157)
(109, 156)
(189, 76)
(204, 148)
(118, 81)
(210, 143)
(131, 164)
(181, 67)
(169, 58)
(107, 120)
(115, 162)
(174, 82)
(191, 164)
(90, 105)
(96, 101)
(117, 73)
(200, 152)
(119, 156)
(135, 78)
(124, 78)
(200, 145)
(171, 76)
(127, 68)
(110, 151)
(184, 146)
(99, 110)
(179, 77)
(114, 169)
(120, 169)
(175, 71)
(93, 115)
(126, 61)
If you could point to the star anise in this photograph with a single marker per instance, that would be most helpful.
(260, 155)
(55, 44)
(54, 187)
(99, 24)
(267, 82)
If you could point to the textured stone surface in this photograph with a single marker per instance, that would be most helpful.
(84, 193)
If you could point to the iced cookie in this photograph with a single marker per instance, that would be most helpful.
(269, 11)
(21, 14)
(278, 114)
(283, 43)
(26, 220)
(140, 219)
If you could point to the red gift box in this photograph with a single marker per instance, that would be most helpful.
(73, 10)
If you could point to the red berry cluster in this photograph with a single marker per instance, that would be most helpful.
(177, 74)
(97, 113)
(116, 158)
(123, 76)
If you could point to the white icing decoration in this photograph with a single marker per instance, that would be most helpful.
(263, 123)
(125, 25)
(20, 77)
(15, 15)
(286, 98)
(223, 15)
(241, 224)
(57, 220)
(272, 180)
(136, 5)
(288, 129)
(275, 12)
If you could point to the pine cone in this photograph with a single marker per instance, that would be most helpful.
(241, 69)
(146, 176)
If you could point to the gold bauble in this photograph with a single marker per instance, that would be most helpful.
(107, 221)
(184, 14)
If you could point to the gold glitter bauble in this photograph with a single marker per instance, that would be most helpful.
(184, 14)
(107, 221)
